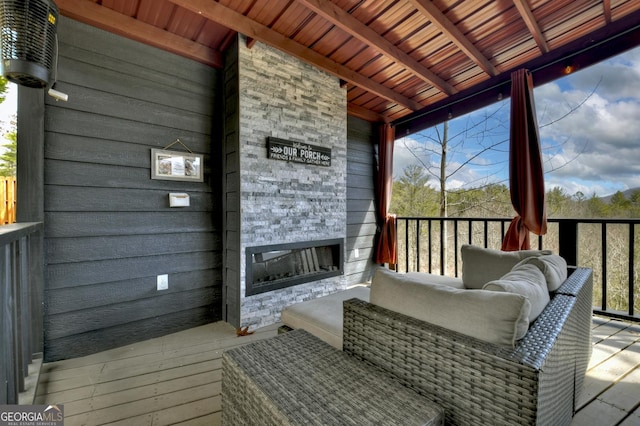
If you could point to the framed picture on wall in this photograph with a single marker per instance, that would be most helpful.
(174, 165)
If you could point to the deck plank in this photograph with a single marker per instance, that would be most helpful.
(176, 379)
(624, 394)
(611, 345)
(633, 419)
(124, 384)
(600, 378)
(159, 404)
(143, 392)
(610, 393)
(598, 413)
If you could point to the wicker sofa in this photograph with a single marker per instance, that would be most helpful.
(477, 382)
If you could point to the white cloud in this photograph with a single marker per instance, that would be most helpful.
(595, 147)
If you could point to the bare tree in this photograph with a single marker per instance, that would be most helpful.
(433, 155)
(435, 145)
(439, 152)
(482, 142)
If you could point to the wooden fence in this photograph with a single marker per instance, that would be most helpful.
(7, 200)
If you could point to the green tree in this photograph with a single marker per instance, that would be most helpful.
(411, 194)
(596, 207)
(559, 203)
(619, 204)
(634, 199)
(3, 89)
(8, 158)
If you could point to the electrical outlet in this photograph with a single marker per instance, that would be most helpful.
(163, 282)
(356, 253)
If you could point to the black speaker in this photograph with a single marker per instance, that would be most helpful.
(28, 41)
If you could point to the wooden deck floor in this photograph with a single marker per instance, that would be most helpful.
(611, 391)
(176, 379)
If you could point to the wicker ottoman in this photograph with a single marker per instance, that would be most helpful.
(296, 378)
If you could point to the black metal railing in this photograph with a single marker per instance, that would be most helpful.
(608, 246)
(21, 310)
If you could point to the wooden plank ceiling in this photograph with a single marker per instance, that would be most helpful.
(399, 59)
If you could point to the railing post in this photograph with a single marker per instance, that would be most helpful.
(8, 333)
(5, 348)
(568, 236)
(631, 267)
(429, 245)
(417, 245)
(603, 247)
(35, 277)
(25, 311)
(20, 308)
(18, 315)
(406, 246)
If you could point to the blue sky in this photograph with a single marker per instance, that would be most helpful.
(589, 127)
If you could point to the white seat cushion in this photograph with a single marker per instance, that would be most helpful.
(427, 278)
(322, 317)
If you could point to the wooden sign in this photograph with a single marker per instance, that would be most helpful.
(298, 152)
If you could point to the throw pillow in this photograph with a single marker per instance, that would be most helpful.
(528, 281)
(552, 266)
(481, 265)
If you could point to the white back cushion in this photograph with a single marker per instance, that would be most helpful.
(481, 265)
(528, 281)
(496, 317)
(552, 266)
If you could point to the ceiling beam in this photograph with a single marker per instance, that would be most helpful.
(366, 114)
(346, 22)
(437, 18)
(530, 21)
(126, 26)
(231, 19)
(606, 4)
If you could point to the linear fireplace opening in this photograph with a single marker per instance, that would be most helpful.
(278, 266)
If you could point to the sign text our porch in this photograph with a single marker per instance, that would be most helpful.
(298, 152)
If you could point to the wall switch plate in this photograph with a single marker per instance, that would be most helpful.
(163, 282)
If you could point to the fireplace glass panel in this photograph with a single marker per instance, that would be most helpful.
(283, 265)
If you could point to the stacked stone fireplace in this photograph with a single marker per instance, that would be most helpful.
(281, 212)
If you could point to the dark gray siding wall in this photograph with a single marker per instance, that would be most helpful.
(231, 188)
(361, 217)
(109, 230)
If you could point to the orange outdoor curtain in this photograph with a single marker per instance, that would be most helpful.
(526, 178)
(386, 251)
